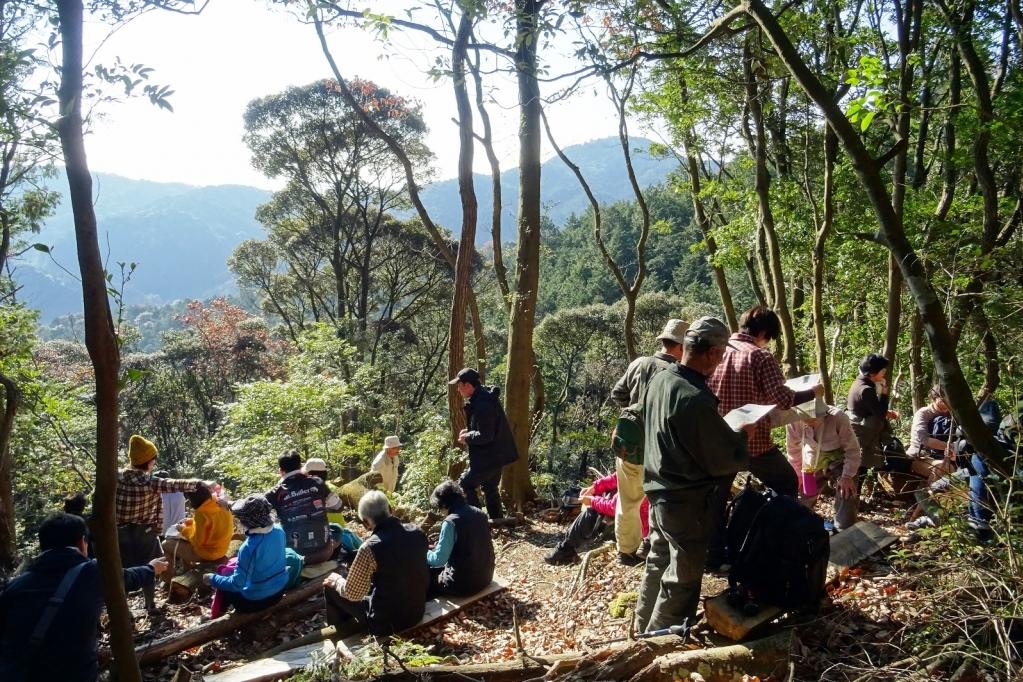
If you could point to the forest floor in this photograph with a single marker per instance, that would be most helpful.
(871, 610)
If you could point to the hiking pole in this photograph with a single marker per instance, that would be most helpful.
(680, 630)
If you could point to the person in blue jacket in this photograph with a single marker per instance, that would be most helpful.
(259, 579)
(49, 615)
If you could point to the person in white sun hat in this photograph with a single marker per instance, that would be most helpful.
(386, 463)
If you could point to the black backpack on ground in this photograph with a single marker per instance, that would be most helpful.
(778, 551)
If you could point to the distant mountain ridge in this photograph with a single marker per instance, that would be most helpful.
(602, 165)
(181, 235)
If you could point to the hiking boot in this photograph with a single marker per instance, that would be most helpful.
(561, 556)
(629, 559)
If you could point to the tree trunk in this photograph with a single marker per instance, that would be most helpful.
(892, 234)
(918, 381)
(758, 148)
(521, 366)
(827, 221)
(8, 526)
(100, 339)
(467, 239)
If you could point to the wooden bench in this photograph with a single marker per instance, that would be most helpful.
(287, 662)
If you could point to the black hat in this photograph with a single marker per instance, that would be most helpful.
(466, 375)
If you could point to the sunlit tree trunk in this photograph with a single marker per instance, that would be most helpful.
(521, 359)
(100, 340)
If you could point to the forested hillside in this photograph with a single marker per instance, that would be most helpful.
(850, 172)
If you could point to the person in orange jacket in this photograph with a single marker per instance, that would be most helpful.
(204, 537)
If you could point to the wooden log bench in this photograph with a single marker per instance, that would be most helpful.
(285, 663)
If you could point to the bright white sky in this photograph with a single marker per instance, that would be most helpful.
(238, 50)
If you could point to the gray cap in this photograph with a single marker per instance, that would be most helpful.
(710, 330)
(674, 330)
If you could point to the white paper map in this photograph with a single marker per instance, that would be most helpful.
(747, 414)
(750, 414)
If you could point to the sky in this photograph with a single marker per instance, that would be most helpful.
(239, 50)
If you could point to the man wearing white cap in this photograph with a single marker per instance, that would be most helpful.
(630, 390)
(386, 463)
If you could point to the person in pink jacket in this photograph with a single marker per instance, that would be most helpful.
(599, 501)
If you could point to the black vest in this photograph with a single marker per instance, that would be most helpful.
(397, 594)
(299, 501)
(470, 567)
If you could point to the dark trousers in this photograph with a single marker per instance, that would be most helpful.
(679, 535)
(139, 544)
(346, 616)
(243, 605)
(584, 528)
(773, 470)
(489, 480)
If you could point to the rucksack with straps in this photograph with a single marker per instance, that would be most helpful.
(778, 551)
(627, 437)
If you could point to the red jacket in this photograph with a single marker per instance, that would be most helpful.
(605, 499)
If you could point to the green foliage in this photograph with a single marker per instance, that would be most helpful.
(367, 662)
(426, 461)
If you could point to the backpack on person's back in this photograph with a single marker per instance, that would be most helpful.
(778, 551)
(627, 437)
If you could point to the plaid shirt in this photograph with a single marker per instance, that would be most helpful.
(138, 497)
(360, 575)
(750, 374)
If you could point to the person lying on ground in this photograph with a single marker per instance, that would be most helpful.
(302, 502)
(261, 573)
(600, 504)
(825, 448)
(139, 508)
(204, 537)
(462, 562)
(49, 615)
(385, 590)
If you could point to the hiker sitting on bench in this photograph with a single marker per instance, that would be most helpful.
(822, 448)
(931, 455)
(599, 502)
(49, 615)
(385, 590)
(259, 578)
(204, 538)
(462, 562)
(302, 502)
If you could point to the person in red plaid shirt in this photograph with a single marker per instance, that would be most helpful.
(139, 508)
(749, 374)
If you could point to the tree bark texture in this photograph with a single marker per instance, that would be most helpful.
(467, 239)
(758, 149)
(892, 234)
(100, 338)
(521, 359)
(823, 232)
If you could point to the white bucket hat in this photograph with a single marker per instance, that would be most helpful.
(392, 442)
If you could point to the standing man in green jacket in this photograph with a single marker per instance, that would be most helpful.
(630, 390)
(689, 452)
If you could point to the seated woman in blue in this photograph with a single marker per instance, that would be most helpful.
(258, 580)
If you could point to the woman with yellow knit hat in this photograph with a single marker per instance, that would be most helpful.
(139, 509)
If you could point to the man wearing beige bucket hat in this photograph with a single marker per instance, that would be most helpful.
(386, 463)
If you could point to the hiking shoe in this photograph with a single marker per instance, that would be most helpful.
(941, 485)
(922, 522)
(629, 559)
(561, 556)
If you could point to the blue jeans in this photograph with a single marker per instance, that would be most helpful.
(980, 497)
